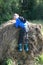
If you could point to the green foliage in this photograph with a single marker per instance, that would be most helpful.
(27, 8)
(7, 62)
(30, 9)
(39, 59)
(7, 9)
(38, 12)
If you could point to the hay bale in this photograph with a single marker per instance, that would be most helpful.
(8, 40)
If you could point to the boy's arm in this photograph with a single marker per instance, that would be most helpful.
(19, 24)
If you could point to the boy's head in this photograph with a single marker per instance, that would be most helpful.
(15, 16)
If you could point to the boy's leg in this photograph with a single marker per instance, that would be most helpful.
(26, 46)
(20, 41)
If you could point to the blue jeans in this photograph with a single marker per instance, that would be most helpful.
(21, 35)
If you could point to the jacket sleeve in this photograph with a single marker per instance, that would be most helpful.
(16, 24)
(21, 24)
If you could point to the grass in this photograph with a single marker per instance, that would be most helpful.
(7, 62)
(38, 21)
(39, 60)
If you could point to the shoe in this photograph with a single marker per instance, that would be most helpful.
(26, 48)
(20, 47)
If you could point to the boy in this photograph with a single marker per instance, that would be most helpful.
(23, 24)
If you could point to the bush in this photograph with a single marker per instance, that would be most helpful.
(7, 62)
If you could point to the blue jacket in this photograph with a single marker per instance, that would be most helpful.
(19, 23)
